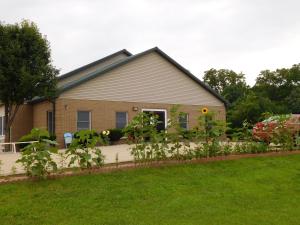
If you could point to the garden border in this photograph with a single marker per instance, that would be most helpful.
(129, 165)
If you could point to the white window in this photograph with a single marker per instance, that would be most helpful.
(83, 120)
(184, 120)
(50, 124)
(121, 119)
(2, 128)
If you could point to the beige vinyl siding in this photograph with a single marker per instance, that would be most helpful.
(149, 78)
(92, 69)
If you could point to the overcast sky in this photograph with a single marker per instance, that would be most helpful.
(244, 35)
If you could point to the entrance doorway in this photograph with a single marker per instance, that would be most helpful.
(161, 117)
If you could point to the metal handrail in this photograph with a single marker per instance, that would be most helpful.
(16, 143)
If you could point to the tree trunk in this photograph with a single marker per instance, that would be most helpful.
(10, 113)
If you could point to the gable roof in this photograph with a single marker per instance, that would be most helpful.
(87, 66)
(108, 68)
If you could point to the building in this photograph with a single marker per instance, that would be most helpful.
(111, 91)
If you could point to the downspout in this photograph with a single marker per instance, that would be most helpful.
(54, 112)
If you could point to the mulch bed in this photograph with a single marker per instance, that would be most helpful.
(151, 164)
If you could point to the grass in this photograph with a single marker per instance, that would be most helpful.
(247, 191)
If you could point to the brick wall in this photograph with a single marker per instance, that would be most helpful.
(40, 114)
(103, 113)
(22, 123)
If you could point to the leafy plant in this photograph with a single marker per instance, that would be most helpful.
(35, 134)
(148, 143)
(227, 149)
(282, 135)
(83, 151)
(137, 133)
(208, 132)
(36, 158)
(175, 133)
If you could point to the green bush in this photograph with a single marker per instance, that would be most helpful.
(282, 135)
(115, 134)
(258, 147)
(188, 134)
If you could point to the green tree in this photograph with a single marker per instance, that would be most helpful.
(250, 108)
(25, 67)
(229, 84)
(278, 85)
(293, 100)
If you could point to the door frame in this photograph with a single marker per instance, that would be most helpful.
(158, 110)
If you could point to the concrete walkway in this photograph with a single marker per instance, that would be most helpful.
(8, 159)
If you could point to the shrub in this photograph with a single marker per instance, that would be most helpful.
(36, 157)
(188, 134)
(227, 149)
(282, 135)
(258, 147)
(115, 134)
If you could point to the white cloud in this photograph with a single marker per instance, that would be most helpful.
(246, 36)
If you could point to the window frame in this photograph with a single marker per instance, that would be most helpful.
(158, 110)
(90, 119)
(117, 120)
(186, 122)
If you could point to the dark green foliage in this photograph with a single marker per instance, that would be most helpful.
(115, 134)
(281, 87)
(25, 67)
(85, 138)
(188, 134)
(276, 92)
(230, 85)
(250, 108)
(293, 100)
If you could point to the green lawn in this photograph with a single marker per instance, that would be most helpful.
(252, 191)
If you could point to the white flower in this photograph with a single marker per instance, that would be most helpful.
(104, 132)
(151, 120)
(107, 132)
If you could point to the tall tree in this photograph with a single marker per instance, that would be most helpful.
(229, 84)
(251, 109)
(25, 67)
(277, 85)
(293, 100)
